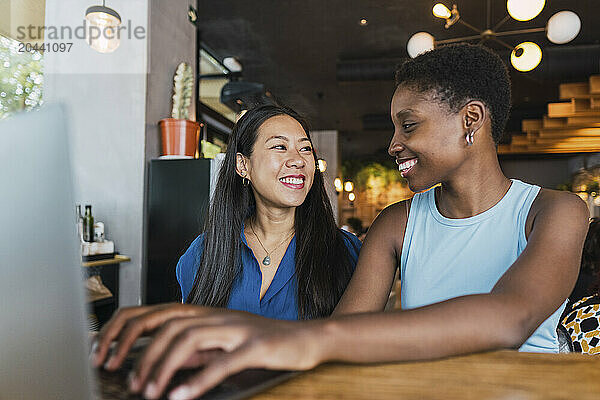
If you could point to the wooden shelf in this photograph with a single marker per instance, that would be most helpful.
(505, 149)
(116, 260)
(568, 127)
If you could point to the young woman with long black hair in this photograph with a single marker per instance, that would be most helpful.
(486, 262)
(270, 244)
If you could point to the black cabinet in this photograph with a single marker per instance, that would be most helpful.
(178, 195)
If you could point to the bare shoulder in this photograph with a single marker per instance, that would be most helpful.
(393, 216)
(397, 209)
(559, 207)
(387, 231)
(559, 201)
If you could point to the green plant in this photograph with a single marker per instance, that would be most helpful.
(21, 78)
(366, 173)
(183, 86)
(376, 175)
(585, 180)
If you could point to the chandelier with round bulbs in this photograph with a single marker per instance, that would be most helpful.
(561, 28)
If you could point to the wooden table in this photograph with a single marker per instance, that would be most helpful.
(505, 375)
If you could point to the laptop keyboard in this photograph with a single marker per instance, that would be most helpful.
(113, 385)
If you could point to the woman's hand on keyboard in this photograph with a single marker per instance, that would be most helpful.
(129, 324)
(225, 342)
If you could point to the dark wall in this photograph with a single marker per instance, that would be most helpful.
(547, 173)
(546, 170)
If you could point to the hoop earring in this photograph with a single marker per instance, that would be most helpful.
(469, 138)
(245, 182)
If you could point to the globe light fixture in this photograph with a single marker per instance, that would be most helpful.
(563, 27)
(351, 196)
(526, 56)
(441, 11)
(524, 10)
(337, 183)
(419, 43)
(348, 186)
(103, 32)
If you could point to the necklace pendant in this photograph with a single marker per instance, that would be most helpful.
(266, 260)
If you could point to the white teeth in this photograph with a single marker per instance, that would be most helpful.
(407, 164)
(293, 181)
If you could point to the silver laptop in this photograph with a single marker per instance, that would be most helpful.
(43, 352)
(43, 334)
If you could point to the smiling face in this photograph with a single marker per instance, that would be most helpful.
(429, 140)
(282, 164)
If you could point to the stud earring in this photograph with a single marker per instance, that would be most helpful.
(469, 137)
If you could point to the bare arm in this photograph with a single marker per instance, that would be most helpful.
(528, 293)
(373, 278)
(531, 290)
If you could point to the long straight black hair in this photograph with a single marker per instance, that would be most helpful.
(323, 263)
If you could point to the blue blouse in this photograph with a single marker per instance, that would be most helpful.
(279, 301)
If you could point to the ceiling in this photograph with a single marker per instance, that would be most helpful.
(298, 48)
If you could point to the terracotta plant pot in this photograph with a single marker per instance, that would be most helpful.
(179, 137)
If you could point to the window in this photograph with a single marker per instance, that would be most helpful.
(21, 77)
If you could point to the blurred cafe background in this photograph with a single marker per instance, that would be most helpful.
(152, 108)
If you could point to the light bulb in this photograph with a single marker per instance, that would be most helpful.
(419, 43)
(351, 196)
(563, 27)
(526, 56)
(337, 182)
(441, 11)
(348, 186)
(322, 164)
(524, 10)
(103, 33)
(105, 40)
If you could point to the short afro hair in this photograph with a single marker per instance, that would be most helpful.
(458, 73)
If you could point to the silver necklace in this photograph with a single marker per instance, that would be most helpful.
(267, 259)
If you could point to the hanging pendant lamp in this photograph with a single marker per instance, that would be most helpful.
(103, 34)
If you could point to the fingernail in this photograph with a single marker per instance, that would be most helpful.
(181, 393)
(93, 356)
(108, 363)
(133, 382)
(151, 391)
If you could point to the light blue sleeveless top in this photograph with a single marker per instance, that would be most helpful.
(444, 258)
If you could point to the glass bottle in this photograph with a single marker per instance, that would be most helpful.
(79, 218)
(88, 225)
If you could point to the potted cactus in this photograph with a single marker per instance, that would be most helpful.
(179, 134)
